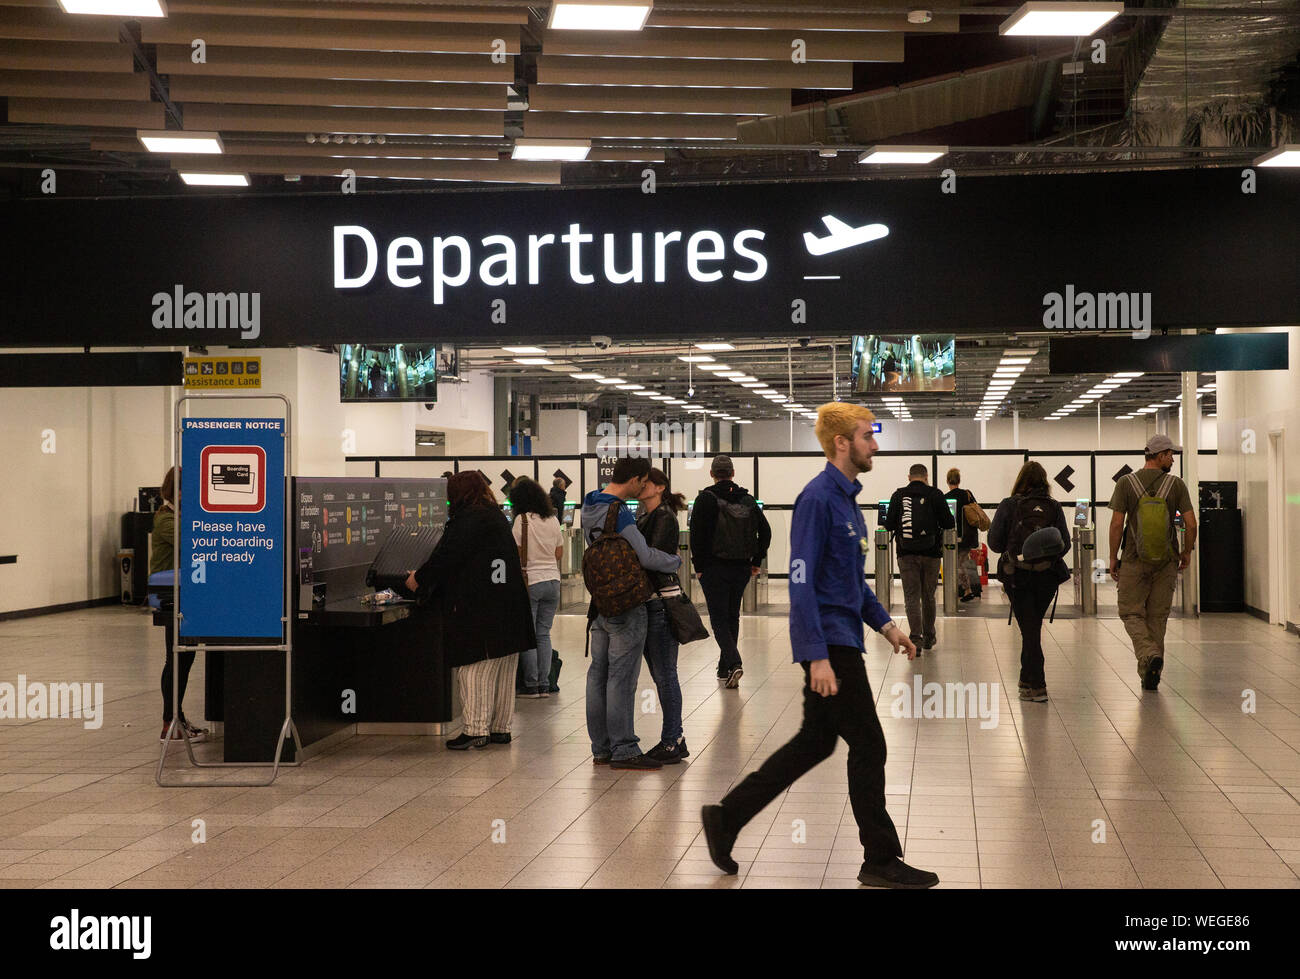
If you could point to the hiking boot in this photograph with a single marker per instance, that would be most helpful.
(1151, 675)
(733, 677)
(720, 839)
(669, 754)
(637, 763)
(465, 741)
(896, 874)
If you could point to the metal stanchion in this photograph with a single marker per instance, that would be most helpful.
(1085, 585)
(950, 571)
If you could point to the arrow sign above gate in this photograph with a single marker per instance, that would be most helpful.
(1063, 478)
(1124, 471)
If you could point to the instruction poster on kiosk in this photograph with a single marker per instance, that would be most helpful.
(231, 529)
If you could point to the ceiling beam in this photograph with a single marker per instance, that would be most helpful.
(88, 112)
(289, 91)
(75, 85)
(687, 101)
(297, 119)
(802, 21)
(301, 148)
(722, 44)
(639, 72)
(52, 24)
(494, 171)
(626, 125)
(65, 56)
(345, 35)
(408, 12)
(224, 61)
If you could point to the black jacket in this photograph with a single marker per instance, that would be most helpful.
(660, 529)
(942, 515)
(968, 535)
(704, 521)
(475, 587)
(557, 501)
(1000, 538)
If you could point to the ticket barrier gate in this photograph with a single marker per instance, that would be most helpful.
(884, 583)
(1085, 581)
(1187, 583)
(755, 592)
(686, 574)
(572, 547)
(949, 570)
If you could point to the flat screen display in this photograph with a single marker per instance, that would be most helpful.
(390, 372)
(903, 364)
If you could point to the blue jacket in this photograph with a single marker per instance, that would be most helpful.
(595, 507)
(829, 597)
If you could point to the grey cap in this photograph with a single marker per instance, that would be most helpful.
(722, 466)
(1161, 443)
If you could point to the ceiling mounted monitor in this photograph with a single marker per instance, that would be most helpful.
(886, 363)
(390, 372)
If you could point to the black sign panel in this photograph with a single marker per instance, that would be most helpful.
(782, 260)
(154, 369)
(343, 522)
(1170, 354)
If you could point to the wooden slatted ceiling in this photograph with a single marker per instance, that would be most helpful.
(497, 171)
(75, 85)
(686, 101)
(334, 35)
(408, 12)
(293, 91)
(88, 112)
(812, 19)
(298, 119)
(725, 44)
(46, 56)
(559, 70)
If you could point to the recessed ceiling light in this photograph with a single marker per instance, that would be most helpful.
(611, 380)
(675, 401)
(115, 8)
(695, 358)
(1013, 361)
(715, 367)
(1130, 374)
(902, 154)
(535, 362)
(661, 397)
(215, 179)
(1039, 19)
(744, 421)
(1283, 156)
(630, 387)
(714, 346)
(587, 377)
(599, 15)
(162, 141)
(730, 374)
(550, 150)
(746, 379)
(525, 350)
(753, 385)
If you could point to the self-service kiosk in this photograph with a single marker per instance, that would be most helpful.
(1084, 553)
(884, 569)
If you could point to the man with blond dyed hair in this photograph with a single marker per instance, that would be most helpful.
(829, 601)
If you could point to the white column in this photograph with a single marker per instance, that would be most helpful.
(1015, 428)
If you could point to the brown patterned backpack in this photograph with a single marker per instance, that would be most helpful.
(612, 572)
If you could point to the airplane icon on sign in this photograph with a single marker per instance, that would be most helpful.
(841, 236)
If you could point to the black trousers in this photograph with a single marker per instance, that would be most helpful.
(851, 715)
(724, 587)
(1031, 597)
(186, 661)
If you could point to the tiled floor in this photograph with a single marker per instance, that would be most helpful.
(1104, 786)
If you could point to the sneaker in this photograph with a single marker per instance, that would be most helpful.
(1024, 685)
(669, 754)
(196, 733)
(498, 737)
(723, 674)
(1036, 695)
(600, 759)
(733, 678)
(177, 735)
(637, 763)
(969, 597)
(929, 644)
(543, 694)
(720, 839)
(467, 741)
(896, 874)
(1151, 675)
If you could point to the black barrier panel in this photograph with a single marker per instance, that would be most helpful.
(773, 259)
(90, 370)
(1169, 355)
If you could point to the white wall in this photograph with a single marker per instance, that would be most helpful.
(1252, 404)
(560, 432)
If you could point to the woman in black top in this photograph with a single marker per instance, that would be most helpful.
(476, 588)
(1030, 589)
(657, 521)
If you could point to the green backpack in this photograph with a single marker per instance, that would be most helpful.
(1151, 521)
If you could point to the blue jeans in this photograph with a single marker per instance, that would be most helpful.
(661, 656)
(617, 643)
(544, 598)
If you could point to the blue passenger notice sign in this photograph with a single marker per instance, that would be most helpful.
(231, 529)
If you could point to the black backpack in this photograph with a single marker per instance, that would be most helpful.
(918, 525)
(734, 533)
(1031, 513)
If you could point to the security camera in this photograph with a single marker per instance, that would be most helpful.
(804, 341)
(429, 406)
(604, 343)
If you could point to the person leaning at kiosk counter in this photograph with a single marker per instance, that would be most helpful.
(475, 584)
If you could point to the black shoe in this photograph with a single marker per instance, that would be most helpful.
(929, 644)
(467, 741)
(669, 754)
(720, 839)
(969, 597)
(600, 759)
(1151, 676)
(896, 874)
(1023, 685)
(499, 737)
(733, 677)
(637, 763)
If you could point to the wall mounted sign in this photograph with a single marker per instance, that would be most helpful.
(896, 256)
(231, 529)
(223, 372)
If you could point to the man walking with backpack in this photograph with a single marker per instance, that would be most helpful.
(1144, 556)
(918, 516)
(613, 569)
(729, 541)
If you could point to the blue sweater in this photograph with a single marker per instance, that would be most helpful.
(829, 596)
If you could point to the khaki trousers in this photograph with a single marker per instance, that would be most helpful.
(1146, 593)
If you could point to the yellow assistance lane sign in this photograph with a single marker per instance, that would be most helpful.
(223, 372)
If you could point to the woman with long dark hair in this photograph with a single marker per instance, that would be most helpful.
(477, 589)
(537, 533)
(657, 521)
(1032, 566)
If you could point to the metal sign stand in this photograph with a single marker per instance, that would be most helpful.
(286, 631)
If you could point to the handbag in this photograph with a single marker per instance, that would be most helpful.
(974, 515)
(680, 615)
